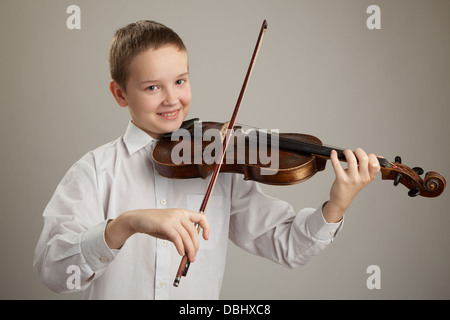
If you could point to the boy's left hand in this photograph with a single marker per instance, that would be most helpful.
(349, 181)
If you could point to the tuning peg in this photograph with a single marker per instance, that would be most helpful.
(397, 179)
(398, 159)
(418, 170)
(414, 192)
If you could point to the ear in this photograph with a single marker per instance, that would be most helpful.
(118, 93)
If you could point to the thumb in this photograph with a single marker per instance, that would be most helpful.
(202, 221)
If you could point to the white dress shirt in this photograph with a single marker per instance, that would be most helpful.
(119, 177)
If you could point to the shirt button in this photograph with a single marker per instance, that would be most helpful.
(162, 284)
(163, 202)
(164, 242)
(104, 259)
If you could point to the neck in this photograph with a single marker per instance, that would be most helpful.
(310, 148)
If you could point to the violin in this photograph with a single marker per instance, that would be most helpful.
(299, 157)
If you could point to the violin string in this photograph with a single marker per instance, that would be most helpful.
(384, 163)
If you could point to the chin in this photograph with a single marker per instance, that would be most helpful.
(172, 126)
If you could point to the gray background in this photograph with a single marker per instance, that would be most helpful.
(320, 71)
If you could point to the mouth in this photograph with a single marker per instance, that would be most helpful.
(169, 115)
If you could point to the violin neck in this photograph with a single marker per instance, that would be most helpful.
(305, 147)
(309, 148)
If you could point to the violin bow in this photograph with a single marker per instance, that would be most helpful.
(185, 263)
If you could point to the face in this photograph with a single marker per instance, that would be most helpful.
(158, 92)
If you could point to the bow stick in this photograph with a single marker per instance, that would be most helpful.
(185, 263)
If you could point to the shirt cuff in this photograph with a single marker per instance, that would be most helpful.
(320, 229)
(94, 248)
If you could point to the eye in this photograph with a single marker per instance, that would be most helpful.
(180, 81)
(152, 88)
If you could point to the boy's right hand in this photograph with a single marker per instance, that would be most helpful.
(175, 225)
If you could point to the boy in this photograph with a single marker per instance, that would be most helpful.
(125, 227)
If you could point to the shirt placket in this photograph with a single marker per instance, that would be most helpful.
(162, 274)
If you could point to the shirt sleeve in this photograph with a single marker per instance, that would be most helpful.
(72, 237)
(270, 227)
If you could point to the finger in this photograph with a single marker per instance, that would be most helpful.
(188, 242)
(374, 166)
(192, 217)
(204, 224)
(175, 232)
(202, 221)
(352, 164)
(363, 163)
(192, 232)
(175, 238)
(338, 170)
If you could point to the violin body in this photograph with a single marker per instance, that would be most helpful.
(292, 167)
(300, 156)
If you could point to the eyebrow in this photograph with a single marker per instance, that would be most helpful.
(179, 76)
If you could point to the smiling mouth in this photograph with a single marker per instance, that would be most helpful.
(170, 115)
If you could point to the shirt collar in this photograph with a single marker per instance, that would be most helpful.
(135, 138)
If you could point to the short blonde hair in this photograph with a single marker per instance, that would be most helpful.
(133, 39)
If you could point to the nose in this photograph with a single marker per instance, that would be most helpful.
(170, 97)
